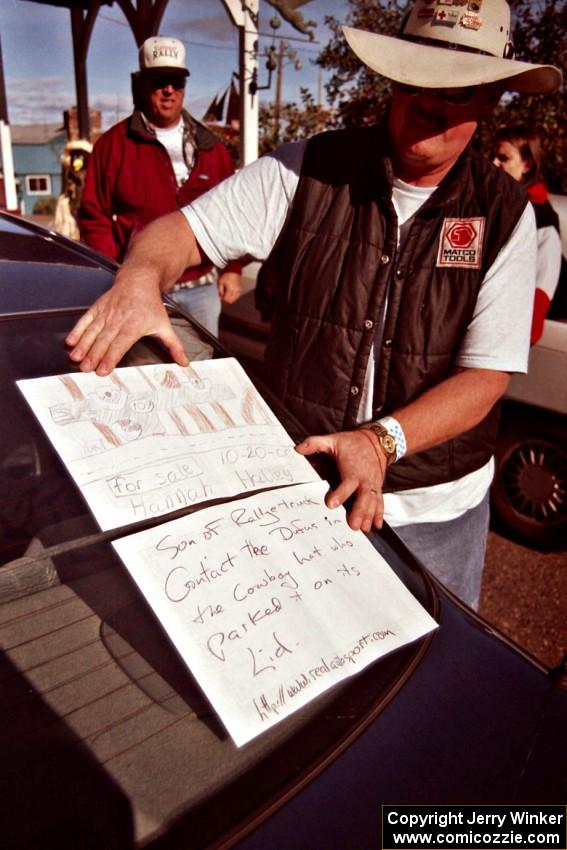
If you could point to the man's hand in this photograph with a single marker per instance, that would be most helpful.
(362, 469)
(117, 320)
(230, 284)
(133, 307)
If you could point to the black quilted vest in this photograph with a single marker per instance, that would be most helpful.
(325, 282)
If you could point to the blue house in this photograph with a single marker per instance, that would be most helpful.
(36, 149)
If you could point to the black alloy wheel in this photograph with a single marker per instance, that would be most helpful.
(529, 493)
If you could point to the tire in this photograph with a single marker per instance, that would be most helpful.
(529, 492)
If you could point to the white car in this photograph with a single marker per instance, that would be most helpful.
(529, 493)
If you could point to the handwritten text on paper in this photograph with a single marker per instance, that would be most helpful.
(271, 600)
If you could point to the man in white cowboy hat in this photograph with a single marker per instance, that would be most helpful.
(399, 271)
(154, 162)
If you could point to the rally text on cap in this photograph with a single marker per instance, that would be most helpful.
(165, 51)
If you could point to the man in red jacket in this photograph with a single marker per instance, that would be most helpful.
(154, 162)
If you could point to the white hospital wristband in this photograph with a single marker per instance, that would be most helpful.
(395, 429)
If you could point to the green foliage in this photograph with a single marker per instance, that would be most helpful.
(540, 31)
(293, 122)
(358, 96)
(357, 93)
(229, 138)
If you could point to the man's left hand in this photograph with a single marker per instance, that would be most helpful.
(362, 470)
(230, 284)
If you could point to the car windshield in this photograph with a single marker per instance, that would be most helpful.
(93, 688)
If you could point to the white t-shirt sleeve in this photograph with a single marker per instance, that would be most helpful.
(548, 260)
(246, 212)
(498, 336)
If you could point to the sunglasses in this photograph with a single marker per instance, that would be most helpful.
(162, 81)
(455, 97)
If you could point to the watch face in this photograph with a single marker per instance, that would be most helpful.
(389, 443)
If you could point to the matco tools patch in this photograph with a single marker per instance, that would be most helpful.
(460, 245)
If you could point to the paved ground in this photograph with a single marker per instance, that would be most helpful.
(43, 220)
(524, 594)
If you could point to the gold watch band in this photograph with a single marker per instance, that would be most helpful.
(387, 441)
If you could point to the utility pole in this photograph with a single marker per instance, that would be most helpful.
(249, 124)
(278, 100)
(244, 16)
(6, 156)
(284, 52)
(3, 101)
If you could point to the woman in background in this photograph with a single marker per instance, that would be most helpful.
(517, 151)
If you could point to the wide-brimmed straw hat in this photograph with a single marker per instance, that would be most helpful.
(451, 44)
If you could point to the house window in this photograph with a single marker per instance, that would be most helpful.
(38, 184)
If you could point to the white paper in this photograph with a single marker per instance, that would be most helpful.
(271, 600)
(149, 440)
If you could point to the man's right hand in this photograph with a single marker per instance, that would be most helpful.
(133, 308)
(118, 319)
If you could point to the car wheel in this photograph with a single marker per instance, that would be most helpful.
(529, 493)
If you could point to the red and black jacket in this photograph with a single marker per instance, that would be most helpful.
(130, 182)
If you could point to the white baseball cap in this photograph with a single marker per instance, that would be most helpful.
(453, 44)
(163, 53)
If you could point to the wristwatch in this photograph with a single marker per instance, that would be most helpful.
(386, 439)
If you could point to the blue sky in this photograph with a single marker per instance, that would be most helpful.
(38, 56)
